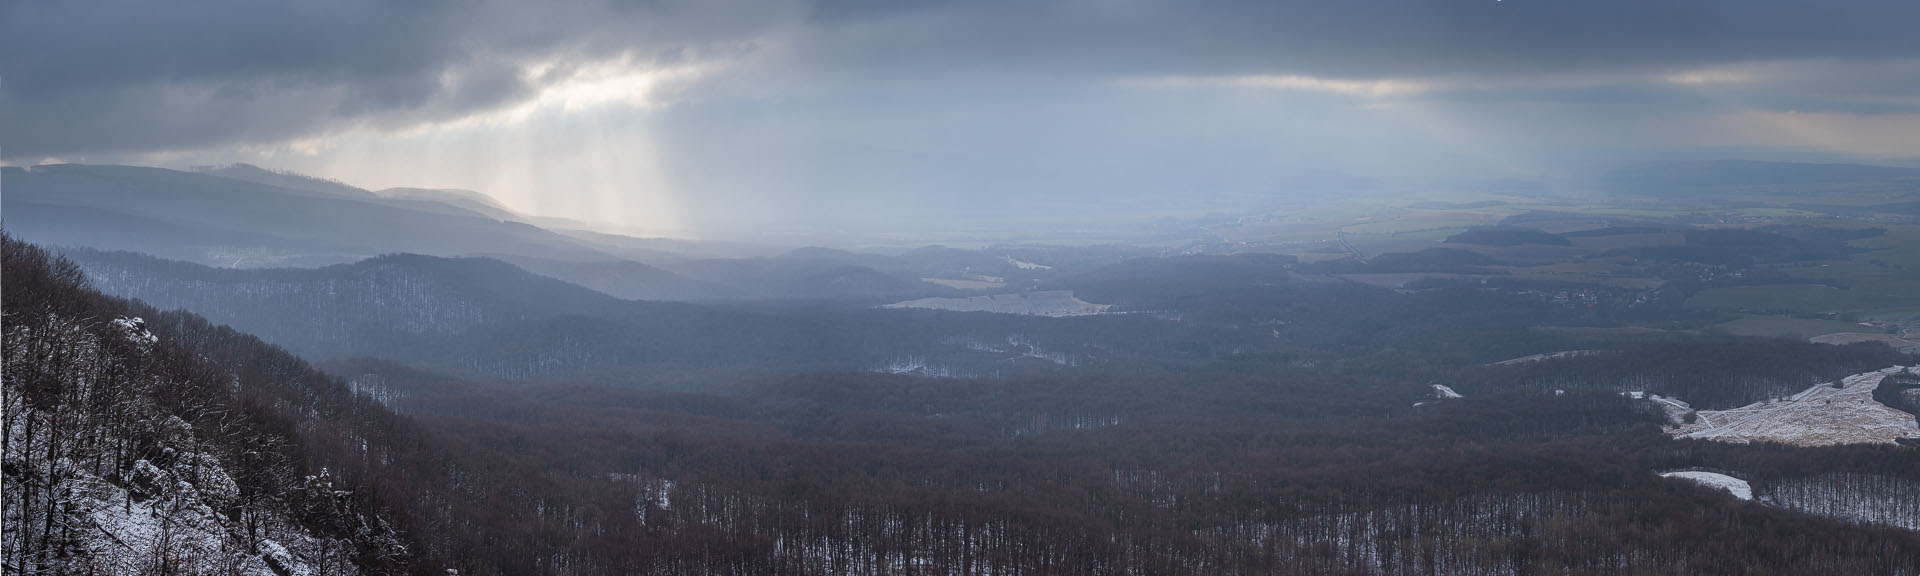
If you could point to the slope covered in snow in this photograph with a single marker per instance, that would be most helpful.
(129, 450)
(1863, 498)
(105, 511)
(1858, 498)
(1739, 488)
(1823, 415)
(1564, 354)
(166, 523)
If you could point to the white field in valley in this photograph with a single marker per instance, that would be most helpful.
(1818, 416)
(966, 284)
(1549, 356)
(1040, 303)
(1739, 488)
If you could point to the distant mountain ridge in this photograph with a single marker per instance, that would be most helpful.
(244, 216)
(1720, 174)
(219, 220)
(388, 302)
(624, 279)
(488, 319)
(481, 317)
(288, 180)
(465, 200)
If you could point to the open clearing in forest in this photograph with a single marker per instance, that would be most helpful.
(1740, 488)
(1040, 303)
(1818, 416)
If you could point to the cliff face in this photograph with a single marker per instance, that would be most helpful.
(128, 453)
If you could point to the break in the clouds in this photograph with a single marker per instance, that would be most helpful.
(701, 117)
(130, 76)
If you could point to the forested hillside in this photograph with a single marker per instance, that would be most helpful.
(951, 288)
(146, 443)
(1243, 422)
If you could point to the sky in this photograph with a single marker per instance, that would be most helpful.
(726, 119)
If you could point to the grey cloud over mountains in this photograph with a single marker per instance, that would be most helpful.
(736, 116)
(115, 76)
(1370, 38)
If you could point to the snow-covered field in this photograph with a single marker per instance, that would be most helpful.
(1818, 416)
(1740, 488)
(1440, 392)
(1041, 303)
(965, 284)
(1550, 356)
(1025, 265)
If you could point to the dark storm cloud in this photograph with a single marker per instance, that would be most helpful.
(126, 76)
(1366, 38)
(91, 77)
(100, 76)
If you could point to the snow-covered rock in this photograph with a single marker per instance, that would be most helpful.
(135, 330)
(169, 525)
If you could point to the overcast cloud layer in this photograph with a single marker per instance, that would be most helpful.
(719, 118)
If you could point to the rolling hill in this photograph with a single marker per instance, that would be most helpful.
(266, 219)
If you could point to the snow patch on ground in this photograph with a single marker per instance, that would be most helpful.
(1017, 346)
(923, 367)
(1819, 416)
(170, 526)
(1025, 265)
(1550, 356)
(1040, 303)
(1860, 498)
(966, 284)
(1864, 498)
(1740, 488)
(1676, 411)
(1440, 392)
